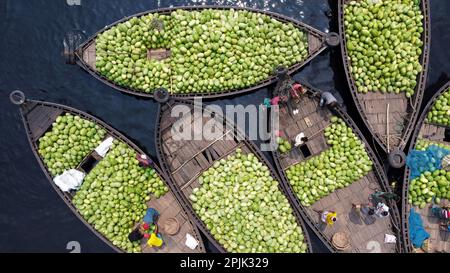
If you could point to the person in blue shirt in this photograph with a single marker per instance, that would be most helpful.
(151, 216)
(327, 99)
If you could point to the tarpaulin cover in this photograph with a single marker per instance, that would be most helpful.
(429, 160)
(417, 232)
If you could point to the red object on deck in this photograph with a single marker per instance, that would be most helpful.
(297, 90)
(275, 100)
(279, 134)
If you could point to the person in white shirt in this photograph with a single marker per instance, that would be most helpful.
(382, 210)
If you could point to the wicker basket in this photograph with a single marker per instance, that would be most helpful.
(171, 226)
(340, 241)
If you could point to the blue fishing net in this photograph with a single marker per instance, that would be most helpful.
(429, 160)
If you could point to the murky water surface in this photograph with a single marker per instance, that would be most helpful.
(32, 216)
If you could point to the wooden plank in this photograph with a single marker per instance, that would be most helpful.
(89, 55)
(314, 43)
(40, 119)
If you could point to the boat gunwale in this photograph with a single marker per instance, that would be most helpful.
(377, 169)
(407, 172)
(253, 149)
(285, 19)
(112, 132)
(420, 79)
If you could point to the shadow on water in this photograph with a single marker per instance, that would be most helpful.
(32, 217)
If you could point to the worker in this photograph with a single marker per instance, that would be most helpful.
(445, 226)
(328, 217)
(275, 100)
(155, 239)
(143, 160)
(151, 216)
(379, 195)
(284, 99)
(327, 99)
(267, 103)
(382, 210)
(442, 213)
(300, 139)
(364, 209)
(138, 233)
(296, 91)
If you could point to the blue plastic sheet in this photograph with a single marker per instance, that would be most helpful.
(150, 216)
(417, 232)
(429, 160)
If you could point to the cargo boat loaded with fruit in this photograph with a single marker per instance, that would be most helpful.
(108, 202)
(209, 51)
(385, 49)
(433, 129)
(228, 186)
(333, 169)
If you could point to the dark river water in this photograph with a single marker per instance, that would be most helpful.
(32, 216)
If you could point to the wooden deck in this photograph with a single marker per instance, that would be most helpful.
(433, 133)
(168, 207)
(365, 234)
(39, 117)
(314, 43)
(187, 160)
(311, 120)
(375, 107)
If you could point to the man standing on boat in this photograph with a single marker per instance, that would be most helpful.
(326, 98)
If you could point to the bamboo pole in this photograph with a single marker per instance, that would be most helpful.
(387, 128)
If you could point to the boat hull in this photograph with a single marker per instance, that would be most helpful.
(406, 177)
(35, 131)
(85, 53)
(373, 106)
(376, 179)
(175, 172)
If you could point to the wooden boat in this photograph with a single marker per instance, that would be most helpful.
(439, 240)
(38, 117)
(389, 116)
(85, 54)
(353, 231)
(185, 161)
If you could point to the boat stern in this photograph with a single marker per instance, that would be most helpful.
(85, 55)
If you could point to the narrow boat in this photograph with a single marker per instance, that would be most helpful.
(209, 51)
(235, 210)
(40, 117)
(329, 166)
(428, 132)
(388, 110)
